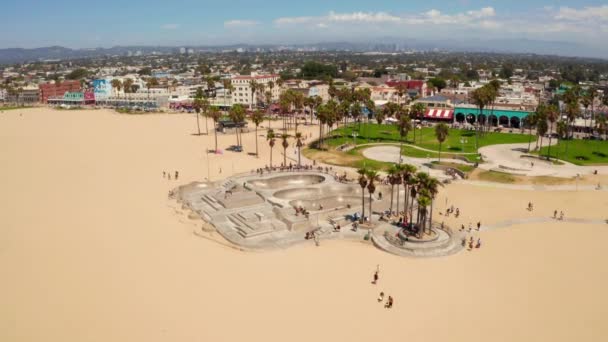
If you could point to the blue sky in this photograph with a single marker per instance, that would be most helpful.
(29, 23)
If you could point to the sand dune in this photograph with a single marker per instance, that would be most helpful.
(91, 249)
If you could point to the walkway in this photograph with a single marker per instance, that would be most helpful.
(510, 158)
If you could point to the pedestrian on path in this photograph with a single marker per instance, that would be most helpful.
(389, 302)
(478, 225)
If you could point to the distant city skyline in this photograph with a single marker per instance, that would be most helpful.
(77, 24)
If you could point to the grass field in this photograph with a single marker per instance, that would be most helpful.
(3, 108)
(580, 152)
(459, 141)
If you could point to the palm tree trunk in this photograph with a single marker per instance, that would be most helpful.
(362, 203)
(392, 196)
(370, 207)
(271, 158)
(284, 157)
(398, 196)
(198, 125)
(256, 142)
(299, 159)
(530, 139)
(215, 130)
(405, 198)
(431, 217)
(550, 137)
(440, 151)
(206, 125)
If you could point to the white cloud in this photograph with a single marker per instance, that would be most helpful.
(240, 23)
(170, 26)
(471, 18)
(585, 13)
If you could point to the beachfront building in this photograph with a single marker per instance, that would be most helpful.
(25, 95)
(497, 116)
(149, 99)
(57, 89)
(242, 93)
(73, 99)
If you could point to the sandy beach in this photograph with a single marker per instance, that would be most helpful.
(91, 249)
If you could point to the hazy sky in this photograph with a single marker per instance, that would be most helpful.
(35, 23)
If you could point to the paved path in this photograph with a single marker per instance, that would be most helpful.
(509, 158)
(389, 154)
(515, 222)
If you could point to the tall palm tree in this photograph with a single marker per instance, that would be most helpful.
(423, 203)
(572, 112)
(481, 98)
(253, 85)
(552, 115)
(441, 133)
(214, 113)
(407, 174)
(413, 192)
(398, 180)
(299, 145)
(405, 125)
(541, 129)
(257, 117)
(117, 84)
(417, 111)
(531, 121)
(128, 85)
(237, 115)
(198, 104)
(270, 137)
(363, 184)
(432, 186)
(285, 145)
(372, 176)
(392, 172)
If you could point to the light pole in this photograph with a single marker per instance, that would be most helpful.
(355, 135)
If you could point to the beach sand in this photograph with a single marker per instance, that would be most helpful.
(91, 249)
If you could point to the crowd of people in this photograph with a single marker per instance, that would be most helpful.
(168, 175)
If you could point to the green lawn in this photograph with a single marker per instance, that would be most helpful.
(3, 108)
(580, 152)
(459, 141)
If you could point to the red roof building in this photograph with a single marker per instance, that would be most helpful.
(418, 85)
(48, 90)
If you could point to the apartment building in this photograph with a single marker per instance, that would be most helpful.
(242, 88)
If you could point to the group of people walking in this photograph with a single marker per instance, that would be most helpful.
(389, 300)
(168, 175)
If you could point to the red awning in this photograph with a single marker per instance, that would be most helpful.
(443, 114)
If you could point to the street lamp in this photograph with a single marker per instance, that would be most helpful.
(355, 135)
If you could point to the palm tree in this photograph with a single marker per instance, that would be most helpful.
(407, 173)
(541, 129)
(423, 203)
(253, 85)
(257, 117)
(531, 121)
(481, 98)
(214, 113)
(117, 84)
(432, 186)
(237, 115)
(441, 133)
(128, 85)
(393, 172)
(372, 175)
(552, 115)
(299, 145)
(418, 110)
(285, 145)
(270, 137)
(413, 192)
(363, 184)
(572, 112)
(397, 181)
(405, 125)
(198, 104)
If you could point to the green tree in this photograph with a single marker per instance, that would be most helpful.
(372, 176)
(285, 144)
(237, 115)
(552, 114)
(215, 114)
(257, 117)
(299, 145)
(441, 133)
(270, 137)
(363, 184)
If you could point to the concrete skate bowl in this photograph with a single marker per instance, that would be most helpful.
(316, 193)
(327, 203)
(286, 181)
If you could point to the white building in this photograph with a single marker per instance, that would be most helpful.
(242, 90)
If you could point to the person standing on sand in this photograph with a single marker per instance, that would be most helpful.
(375, 281)
(389, 302)
(478, 225)
(176, 175)
(555, 214)
(381, 297)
